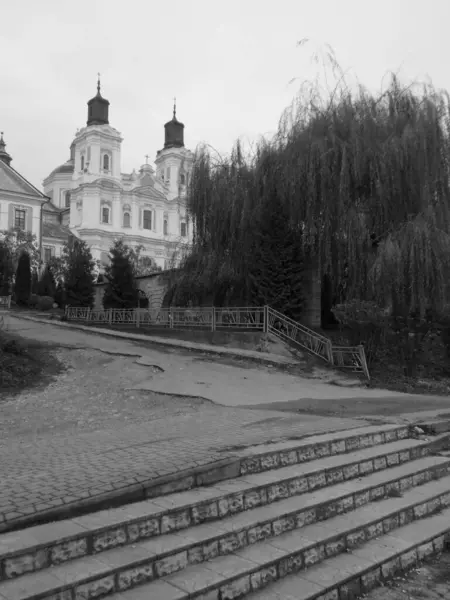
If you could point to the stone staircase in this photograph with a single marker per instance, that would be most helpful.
(324, 518)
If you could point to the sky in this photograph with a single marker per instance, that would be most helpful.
(229, 64)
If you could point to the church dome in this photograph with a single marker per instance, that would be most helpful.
(174, 132)
(98, 108)
(67, 167)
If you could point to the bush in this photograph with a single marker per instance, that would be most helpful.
(45, 303)
(46, 284)
(33, 301)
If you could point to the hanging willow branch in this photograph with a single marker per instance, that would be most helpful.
(366, 180)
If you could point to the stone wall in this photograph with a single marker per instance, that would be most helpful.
(154, 287)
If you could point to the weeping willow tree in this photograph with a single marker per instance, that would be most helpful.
(364, 180)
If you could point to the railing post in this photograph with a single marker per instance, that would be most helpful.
(170, 319)
(266, 319)
(137, 316)
(213, 319)
(330, 352)
(110, 316)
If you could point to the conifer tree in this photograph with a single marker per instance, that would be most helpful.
(34, 282)
(121, 290)
(6, 269)
(78, 274)
(277, 265)
(22, 287)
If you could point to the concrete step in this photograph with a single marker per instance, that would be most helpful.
(274, 455)
(351, 575)
(300, 530)
(38, 547)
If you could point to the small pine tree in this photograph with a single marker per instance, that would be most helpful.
(121, 290)
(78, 274)
(22, 287)
(276, 271)
(47, 286)
(6, 269)
(35, 282)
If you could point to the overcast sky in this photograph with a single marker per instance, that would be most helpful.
(228, 63)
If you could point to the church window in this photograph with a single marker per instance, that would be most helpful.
(82, 162)
(19, 218)
(126, 219)
(106, 162)
(166, 226)
(183, 229)
(67, 199)
(168, 174)
(105, 214)
(182, 179)
(147, 218)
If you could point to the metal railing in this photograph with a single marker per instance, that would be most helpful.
(259, 318)
(345, 357)
(211, 318)
(5, 302)
(288, 329)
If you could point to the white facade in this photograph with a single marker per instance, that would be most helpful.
(100, 204)
(20, 201)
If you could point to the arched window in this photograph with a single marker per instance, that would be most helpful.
(105, 214)
(183, 229)
(168, 174)
(126, 219)
(67, 199)
(166, 227)
(106, 162)
(182, 179)
(147, 219)
(82, 162)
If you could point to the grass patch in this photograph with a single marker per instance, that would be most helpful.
(25, 363)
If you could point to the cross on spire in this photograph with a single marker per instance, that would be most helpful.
(174, 108)
(98, 83)
(146, 159)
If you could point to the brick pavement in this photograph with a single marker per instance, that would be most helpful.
(47, 468)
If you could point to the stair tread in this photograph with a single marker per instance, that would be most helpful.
(307, 583)
(251, 556)
(52, 533)
(317, 439)
(338, 569)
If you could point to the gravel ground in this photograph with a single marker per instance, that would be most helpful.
(91, 393)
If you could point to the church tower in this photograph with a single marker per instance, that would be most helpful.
(174, 161)
(97, 146)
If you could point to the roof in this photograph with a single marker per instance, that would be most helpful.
(67, 167)
(55, 230)
(12, 181)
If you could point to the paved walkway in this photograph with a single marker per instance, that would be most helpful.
(99, 429)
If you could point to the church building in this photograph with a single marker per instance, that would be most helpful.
(93, 200)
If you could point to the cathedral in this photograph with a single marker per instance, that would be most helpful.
(90, 198)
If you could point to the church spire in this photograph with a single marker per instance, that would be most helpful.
(98, 108)
(174, 131)
(4, 156)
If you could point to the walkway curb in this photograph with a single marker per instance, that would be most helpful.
(272, 359)
(180, 481)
